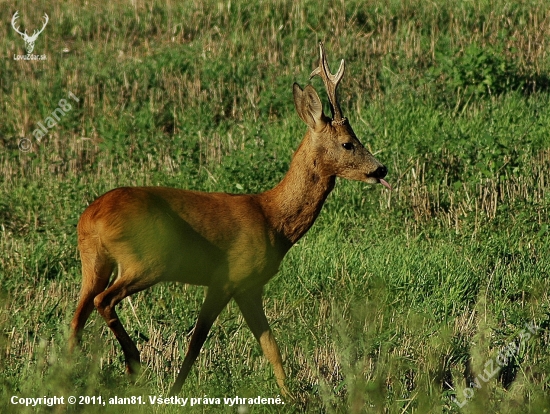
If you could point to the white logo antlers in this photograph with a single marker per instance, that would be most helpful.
(29, 40)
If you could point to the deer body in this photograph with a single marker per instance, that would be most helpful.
(233, 244)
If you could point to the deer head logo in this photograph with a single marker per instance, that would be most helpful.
(29, 40)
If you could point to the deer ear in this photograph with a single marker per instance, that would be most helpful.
(309, 106)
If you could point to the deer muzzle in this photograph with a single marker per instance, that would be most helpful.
(378, 177)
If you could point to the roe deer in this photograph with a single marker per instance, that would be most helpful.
(231, 243)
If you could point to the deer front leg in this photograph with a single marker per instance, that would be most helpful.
(250, 304)
(215, 301)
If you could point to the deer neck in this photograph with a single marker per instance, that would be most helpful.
(293, 205)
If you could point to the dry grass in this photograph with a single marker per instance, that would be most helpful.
(453, 205)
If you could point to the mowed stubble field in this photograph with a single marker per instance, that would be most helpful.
(399, 302)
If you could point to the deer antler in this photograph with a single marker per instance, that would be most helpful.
(25, 35)
(13, 19)
(36, 33)
(331, 83)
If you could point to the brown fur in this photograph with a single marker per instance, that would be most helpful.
(231, 243)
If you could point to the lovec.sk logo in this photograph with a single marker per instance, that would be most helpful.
(29, 40)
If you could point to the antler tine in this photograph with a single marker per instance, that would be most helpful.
(47, 19)
(13, 19)
(331, 83)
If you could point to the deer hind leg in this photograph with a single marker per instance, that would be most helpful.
(125, 285)
(96, 272)
(250, 304)
(216, 299)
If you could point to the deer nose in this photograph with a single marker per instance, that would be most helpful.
(380, 172)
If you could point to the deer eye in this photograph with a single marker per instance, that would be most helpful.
(347, 145)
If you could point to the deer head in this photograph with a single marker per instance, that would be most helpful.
(29, 40)
(337, 147)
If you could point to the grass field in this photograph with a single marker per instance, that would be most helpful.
(432, 298)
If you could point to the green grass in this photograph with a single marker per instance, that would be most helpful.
(393, 302)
